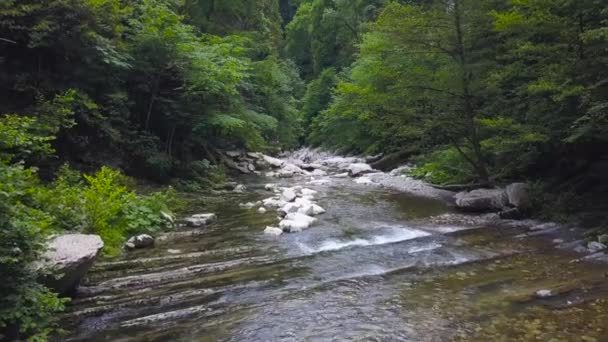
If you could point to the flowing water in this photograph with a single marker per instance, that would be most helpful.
(380, 265)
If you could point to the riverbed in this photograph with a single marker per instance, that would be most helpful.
(382, 264)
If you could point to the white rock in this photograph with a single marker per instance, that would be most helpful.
(140, 241)
(291, 207)
(254, 155)
(288, 195)
(341, 175)
(319, 173)
(274, 162)
(273, 231)
(595, 246)
(262, 210)
(247, 205)
(296, 222)
(357, 169)
(240, 188)
(69, 256)
(271, 187)
(312, 210)
(200, 220)
(308, 192)
(543, 293)
(273, 202)
(363, 180)
(174, 251)
(319, 182)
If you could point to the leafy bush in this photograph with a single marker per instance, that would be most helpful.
(103, 204)
(26, 307)
(444, 166)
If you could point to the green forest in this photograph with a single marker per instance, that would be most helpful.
(98, 96)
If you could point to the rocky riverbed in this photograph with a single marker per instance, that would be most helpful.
(317, 247)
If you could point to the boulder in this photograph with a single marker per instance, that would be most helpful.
(271, 187)
(273, 202)
(200, 220)
(240, 188)
(262, 210)
(251, 167)
(312, 210)
(518, 195)
(341, 175)
(288, 195)
(595, 246)
(254, 155)
(291, 168)
(284, 174)
(364, 180)
(247, 205)
(140, 241)
(69, 256)
(481, 200)
(511, 214)
(319, 173)
(544, 293)
(233, 154)
(358, 169)
(308, 192)
(273, 162)
(296, 222)
(319, 182)
(273, 231)
(290, 208)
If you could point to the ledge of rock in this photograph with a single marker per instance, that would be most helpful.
(481, 200)
(69, 257)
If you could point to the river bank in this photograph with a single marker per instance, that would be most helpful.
(379, 264)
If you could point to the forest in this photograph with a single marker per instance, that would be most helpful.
(99, 96)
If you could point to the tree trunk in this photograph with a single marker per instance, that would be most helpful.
(469, 110)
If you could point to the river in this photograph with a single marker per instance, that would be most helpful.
(379, 265)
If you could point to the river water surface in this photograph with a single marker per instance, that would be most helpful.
(380, 265)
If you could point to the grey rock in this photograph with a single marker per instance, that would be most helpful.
(288, 195)
(233, 154)
(481, 200)
(240, 188)
(140, 241)
(69, 256)
(273, 162)
(357, 169)
(544, 293)
(518, 195)
(595, 246)
(200, 220)
(274, 231)
(511, 214)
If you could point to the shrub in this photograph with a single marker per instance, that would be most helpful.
(26, 307)
(444, 166)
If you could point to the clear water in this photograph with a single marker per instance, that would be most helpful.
(375, 268)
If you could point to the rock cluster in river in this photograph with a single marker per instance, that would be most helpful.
(295, 206)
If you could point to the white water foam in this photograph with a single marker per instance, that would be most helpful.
(395, 235)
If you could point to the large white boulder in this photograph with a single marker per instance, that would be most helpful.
(358, 169)
(481, 200)
(288, 195)
(363, 180)
(69, 256)
(312, 210)
(140, 241)
(200, 220)
(296, 222)
(273, 202)
(274, 162)
(274, 231)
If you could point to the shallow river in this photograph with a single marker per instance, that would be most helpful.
(378, 266)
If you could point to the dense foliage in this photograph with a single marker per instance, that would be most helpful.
(515, 89)
(473, 91)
